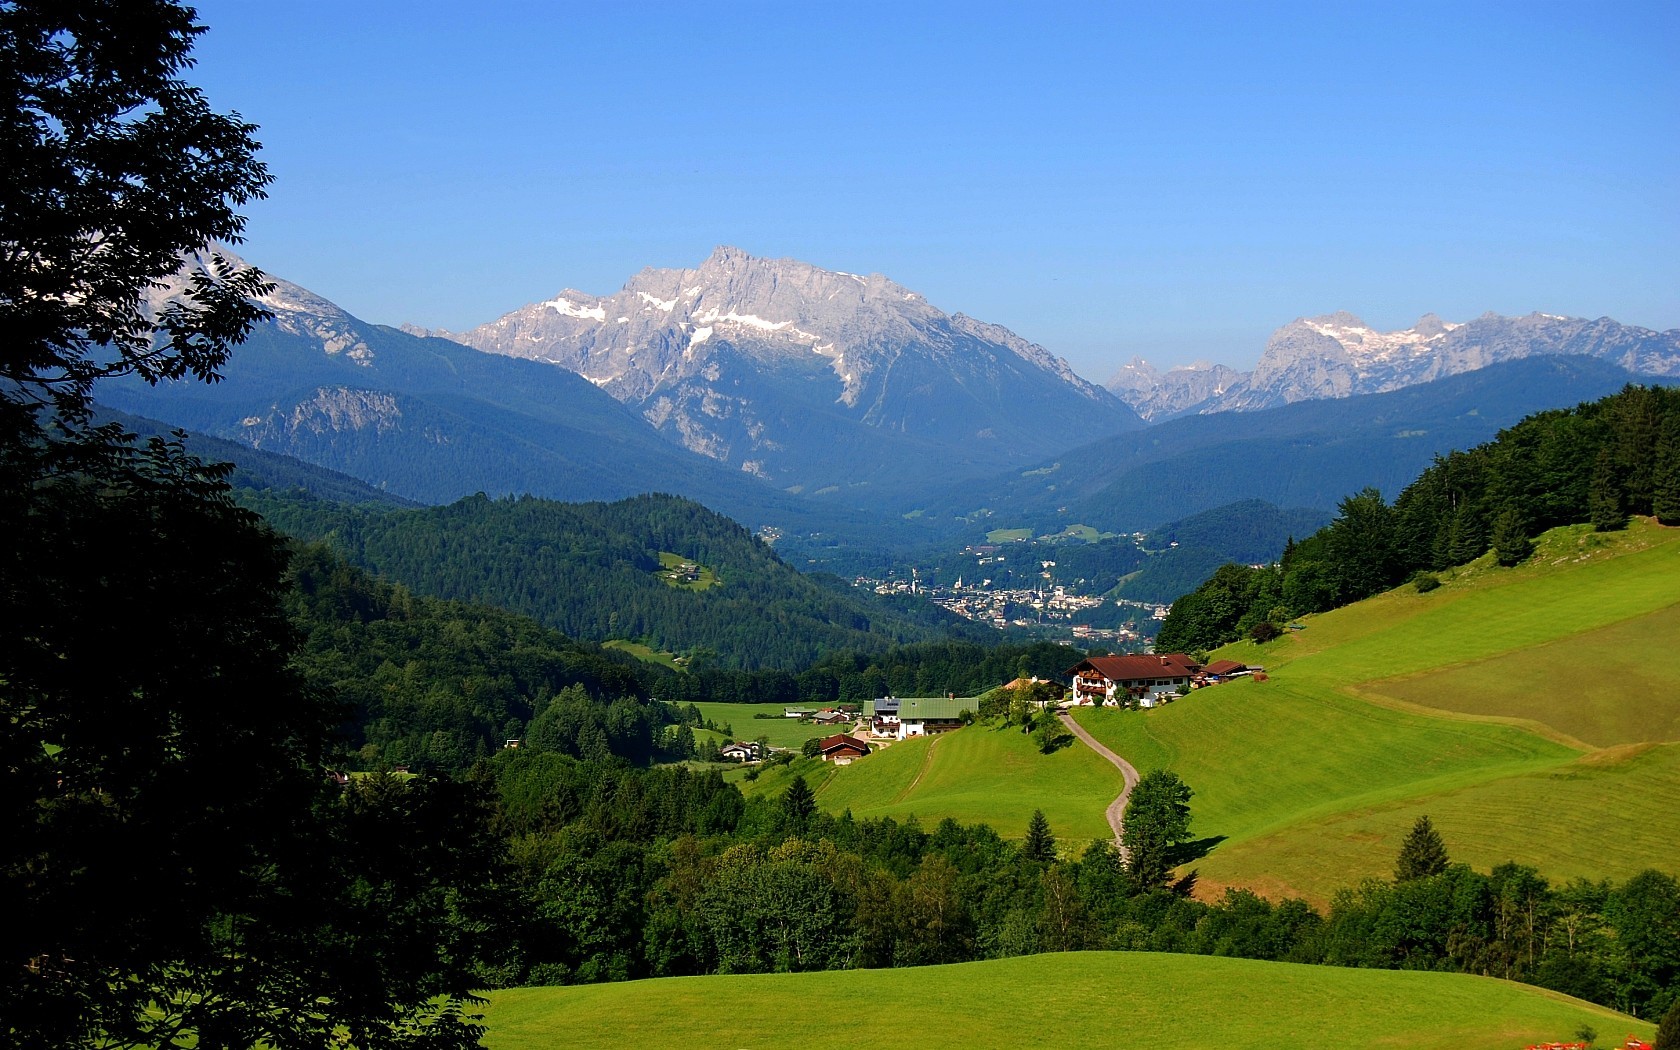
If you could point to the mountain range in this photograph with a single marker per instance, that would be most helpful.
(812, 379)
(847, 419)
(1339, 355)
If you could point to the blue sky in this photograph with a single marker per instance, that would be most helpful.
(1171, 181)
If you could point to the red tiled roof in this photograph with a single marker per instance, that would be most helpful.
(1138, 667)
(1224, 667)
(841, 740)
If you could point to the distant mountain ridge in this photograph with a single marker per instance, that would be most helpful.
(811, 378)
(1339, 355)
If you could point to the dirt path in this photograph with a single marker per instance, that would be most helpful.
(927, 760)
(1117, 808)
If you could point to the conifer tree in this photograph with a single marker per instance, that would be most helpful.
(1665, 497)
(1511, 545)
(1040, 844)
(798, 804)
(1668, 1029)
(1605, 501)
(1422, 854)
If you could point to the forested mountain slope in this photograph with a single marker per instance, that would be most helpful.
(593, 571)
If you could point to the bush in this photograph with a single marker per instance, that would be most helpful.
(1264, 631)
(1424, 582)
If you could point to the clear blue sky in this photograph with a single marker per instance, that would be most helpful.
(1170, 180)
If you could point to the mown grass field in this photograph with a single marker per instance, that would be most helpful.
(974, 775)
(1494, 704)
(1070, 1001)
(782, 732)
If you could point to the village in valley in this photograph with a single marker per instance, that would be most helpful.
(1134, 682)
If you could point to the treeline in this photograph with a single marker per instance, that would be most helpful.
(923, 669)
(1599, 462)
(614, 873)
(591, 570)
(434, 684)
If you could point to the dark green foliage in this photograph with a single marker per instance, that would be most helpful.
(1425, 582)
(798, 804)
(1040, 844)
(1264, 631)
(1511, 545)
(1249, 530)
(1604, 494)
(1422, 854)
(1665, 481)
(1156, 825)
(1668, 1031)
(439, 684)
(591, 570)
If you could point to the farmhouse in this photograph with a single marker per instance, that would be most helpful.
(1148, 677)
(740, 751)
(1220, 670)
(917, 715)
(841, 749)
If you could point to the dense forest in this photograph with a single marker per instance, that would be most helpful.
(1598, 462)
(592, 571)
(612, 873)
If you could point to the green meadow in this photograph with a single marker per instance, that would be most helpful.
(977, 774)
(782, 732)
(1528, 712)
(1068, 1001)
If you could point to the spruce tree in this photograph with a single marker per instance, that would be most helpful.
(1040, 844)
(1665, 496)
(798, 804)
(1422, 854)
(1606, 507)
(1511, 545)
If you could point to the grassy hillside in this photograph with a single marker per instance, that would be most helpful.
(973, 775)
(1502, 696)
(1099, 999)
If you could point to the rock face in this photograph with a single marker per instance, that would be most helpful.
(808, 377)
(1339, 356)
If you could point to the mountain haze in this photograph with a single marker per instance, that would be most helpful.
(1339, 355)
(810, 378)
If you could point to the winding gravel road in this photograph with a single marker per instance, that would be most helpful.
(1117, 808)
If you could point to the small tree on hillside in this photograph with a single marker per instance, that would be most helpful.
(1040, 844)
(1156, 824)
(798, 804)
(1422, 854)
(1511, 545)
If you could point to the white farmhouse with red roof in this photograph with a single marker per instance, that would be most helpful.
(1149, 677)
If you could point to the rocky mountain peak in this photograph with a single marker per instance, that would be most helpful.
(685, 345)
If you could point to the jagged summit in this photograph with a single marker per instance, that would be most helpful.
(1340, 355)
(741, 357)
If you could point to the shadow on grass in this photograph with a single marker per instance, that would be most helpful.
(1195, 849)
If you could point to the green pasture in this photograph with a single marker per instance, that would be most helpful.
(1481, 704)
(782, 732)
(1609, 814)
(1008, 535)
(646, 654)
(669, 571)
(1069, 1001)
(974, 775)
(1262, 756)
(1613, 685)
